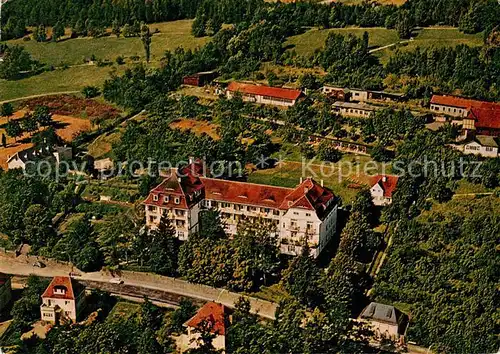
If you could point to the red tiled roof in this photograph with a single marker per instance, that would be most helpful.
(245, 193)
(309, 195)
(389, 185)
(262, 90)
(66, 283)
(461, 102)
(215, 314)
(486, 118)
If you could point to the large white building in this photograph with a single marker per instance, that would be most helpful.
(262, 94)
(308, 211)
(62, 301)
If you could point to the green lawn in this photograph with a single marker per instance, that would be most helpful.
(123, 311)
(73, 51)
(306, 43)
(72, 79)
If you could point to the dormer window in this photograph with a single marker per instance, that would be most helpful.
(166, 199)
(177, 200)
(60, 290)
(155, 197)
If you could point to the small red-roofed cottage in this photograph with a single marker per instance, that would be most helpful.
(212, 316)
(383, 187)
(264, 94)
(62, 301)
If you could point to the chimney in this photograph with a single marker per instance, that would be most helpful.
(191, 159)
(384, 179)
(322, 183)
(300, 180)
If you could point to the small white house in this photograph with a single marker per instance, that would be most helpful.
(482, 145)
(62, 301)
(23, 158)
(350, 109)
(382, 189)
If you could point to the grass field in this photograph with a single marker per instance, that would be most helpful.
(73, 51)
(123, 311)
(72, 79)
(306, 43)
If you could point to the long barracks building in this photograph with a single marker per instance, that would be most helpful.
(308, 211)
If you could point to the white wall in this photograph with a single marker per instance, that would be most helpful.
(452, 111)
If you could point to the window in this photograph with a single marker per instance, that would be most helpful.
(291, 248)
(276, 212)
(308, 214)
(151, 208)
(166, 199)
(293, 223)
(155, 197)
(177, 200)
(309, 226)
(295, 213)
(489, 148)
(180, 234)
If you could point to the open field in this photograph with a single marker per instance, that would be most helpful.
(67, 127)
(306, 43)
(73, 51)
(72, 79)
(123, 310)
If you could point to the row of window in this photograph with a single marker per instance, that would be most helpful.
(454, 110)
(239, 207)
(166, 199)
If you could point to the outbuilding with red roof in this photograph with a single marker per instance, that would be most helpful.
(277, 96)
(383, 187)
(62, 301)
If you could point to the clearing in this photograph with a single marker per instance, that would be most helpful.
(123, 311)
(73, 51)
(306, 43)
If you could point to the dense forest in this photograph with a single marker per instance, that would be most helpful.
(443, 267)
(471, 15)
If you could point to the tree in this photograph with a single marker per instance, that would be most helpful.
(358, 240)
(40, 34)
(204, 342)
(185, 311)
(302, 279)
(164, 248)
(90, 91)
(26, 310)
(198, 28)
(6, 110)
(42, 116)
(151, 315)
(28, 123)
(146, 41)
(363, 205)
(327, 152)
(115, 28)
(13, 129)
(57, 31)
(38, 230)
(15, 60)
(404, 24)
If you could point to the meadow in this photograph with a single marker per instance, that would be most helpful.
(74, 51)
(307, 42)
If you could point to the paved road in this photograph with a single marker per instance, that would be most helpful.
(23, 266)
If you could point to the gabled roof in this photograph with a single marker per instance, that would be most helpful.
(486, 117)
(486, 140)
(387, 183)
(455, 101)
(213, 313)
(29, 154)
(309, 195)
(262, 90)
(72, 289)
(381, 313)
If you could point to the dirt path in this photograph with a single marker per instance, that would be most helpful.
(40, 95)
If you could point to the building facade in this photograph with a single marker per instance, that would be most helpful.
(23, 158)
(263, 94)
(200, 79)
(481, 145)
(306, 212)
(383, 186)
(62, 301)
(5, 291)
(359, 110)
